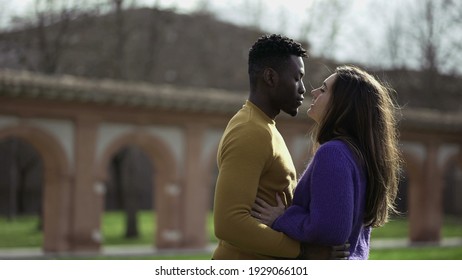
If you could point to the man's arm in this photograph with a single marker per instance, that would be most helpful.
(242, 160)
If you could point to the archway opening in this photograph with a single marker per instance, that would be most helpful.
(452, 193)
(129, 200)
(21, 194)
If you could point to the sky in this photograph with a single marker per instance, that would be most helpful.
(276, 16)
(362, 21)
(229, 9)
(290, 16)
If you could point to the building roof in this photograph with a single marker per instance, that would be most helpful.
(430, 119)
(65, 88)
(123, 93)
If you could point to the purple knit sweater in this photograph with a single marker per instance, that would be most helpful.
(328, 204)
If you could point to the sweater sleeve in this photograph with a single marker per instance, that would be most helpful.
(328, 217)
(242, 160)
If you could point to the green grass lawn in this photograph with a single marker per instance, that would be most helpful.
(417, 253)
(23, 232)
(113, 229)
(398, 228)
(422, 253)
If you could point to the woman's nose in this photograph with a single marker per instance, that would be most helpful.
(314, 92)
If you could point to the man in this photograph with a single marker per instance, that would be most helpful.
(253, 159)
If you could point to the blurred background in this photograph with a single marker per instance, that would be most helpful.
(111, 111)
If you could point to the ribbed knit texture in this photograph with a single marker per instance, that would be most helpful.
(329, 201)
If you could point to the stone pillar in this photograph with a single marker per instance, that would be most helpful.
(168, 235)
(195, 204)
(56, 212)
(87, 197)
(425, 205)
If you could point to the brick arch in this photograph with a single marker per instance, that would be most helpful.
(166, 182)
(413, 168)
(56, 193)
(456, 158)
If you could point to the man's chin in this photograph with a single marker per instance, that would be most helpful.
(292, 113)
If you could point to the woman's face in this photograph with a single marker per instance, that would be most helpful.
(321, 97)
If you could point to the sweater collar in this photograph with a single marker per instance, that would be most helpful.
(259, 112)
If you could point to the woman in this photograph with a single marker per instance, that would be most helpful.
(351, 183)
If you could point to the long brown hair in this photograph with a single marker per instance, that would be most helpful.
(361, 112)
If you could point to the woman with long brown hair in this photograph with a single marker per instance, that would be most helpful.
(351, 183)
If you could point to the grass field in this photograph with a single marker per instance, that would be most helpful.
(421, 253)
(23, 232)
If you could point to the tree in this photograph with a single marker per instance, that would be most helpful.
(123, 172)
(120, 40)
(130, 187)
(155, 37)
(254, 10)
(430, 36)
(394, 40)
(324, 24)
(41, 38)
(202, 7)
(427, 40)
(21, 182)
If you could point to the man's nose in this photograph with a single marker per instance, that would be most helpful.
(302, 90)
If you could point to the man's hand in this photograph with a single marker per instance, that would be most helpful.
(319, 252)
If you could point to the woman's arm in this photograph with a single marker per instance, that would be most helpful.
(328, 215)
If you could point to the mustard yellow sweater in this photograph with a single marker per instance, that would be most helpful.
(253, 160)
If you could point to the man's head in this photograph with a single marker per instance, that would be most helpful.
(276, 69)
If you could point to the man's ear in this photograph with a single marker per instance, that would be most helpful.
(271, 77)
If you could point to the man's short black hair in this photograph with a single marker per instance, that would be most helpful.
(271, 51)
